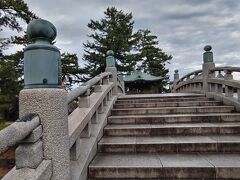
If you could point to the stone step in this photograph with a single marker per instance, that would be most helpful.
(120, 101)
(167, 144)
(174, 118)
(167, 104)
(165, 166)
(172, 110)
(162, 96)
(172, 129)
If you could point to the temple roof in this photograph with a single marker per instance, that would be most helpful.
(141, 76)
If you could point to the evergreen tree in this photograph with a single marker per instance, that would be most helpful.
(152, 57)
(11, 66)
(70, 69)
(114, 32)
(11, 82)
(11, 11)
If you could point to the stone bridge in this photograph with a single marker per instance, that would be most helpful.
(98, 132)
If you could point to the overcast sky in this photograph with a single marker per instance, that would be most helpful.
(183, 27)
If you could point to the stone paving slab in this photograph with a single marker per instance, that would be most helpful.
(227, 166)
(166, 104)
(126, 166)
(126, 160)
(170, 139)
(174, 118)
(172, 99)
(173, 110)
(186, 166)
(168, 144)
(176, 125)
(161, 95)
(172, 129)
(195, 142)
(180, 165)
(118, 140)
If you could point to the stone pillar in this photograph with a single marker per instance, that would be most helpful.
(176, 78)
(228, 89)
(120, 76)
(43, 95)
(111, 67)
(207, 65)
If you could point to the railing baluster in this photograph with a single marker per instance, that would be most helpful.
(228, 91)
(75, 150)
(94, 118)
(86, 133)
(238, 94)
(101, 108)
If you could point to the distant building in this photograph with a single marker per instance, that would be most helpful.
(141, 83)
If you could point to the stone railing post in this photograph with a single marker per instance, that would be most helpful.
(207, 65)
(176, 78)
(228, 89)
(43, 95)
(111, 67)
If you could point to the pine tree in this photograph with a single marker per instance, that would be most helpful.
(11, 82)
(152, 57)
(114, 32)
(70, 69)
(11, 66)
(11, 11)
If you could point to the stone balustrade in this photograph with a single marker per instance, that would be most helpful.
(18, 131)
(61, 140)
(26, 134)
(218, 81)
(92, 83)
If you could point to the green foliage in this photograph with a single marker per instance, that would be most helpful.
(152, 57)
(4, 124)
(114, 32)
(11, 83)
(11, 66)
(70, 69)
(11, 12)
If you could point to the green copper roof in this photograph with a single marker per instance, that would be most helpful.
(141, 76)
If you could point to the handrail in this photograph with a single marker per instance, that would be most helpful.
(231, 83)
(17, 131)
(217, 84)
(226, 68)
(77, 124)
(189, 74)
(191, 81)
(119, 80)
(83, 88)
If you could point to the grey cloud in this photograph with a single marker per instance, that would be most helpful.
(183, 27)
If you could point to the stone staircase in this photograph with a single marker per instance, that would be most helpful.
(181, 136)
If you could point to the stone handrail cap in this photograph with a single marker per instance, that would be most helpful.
(41, 29)
(110, 53)
(207, 48)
